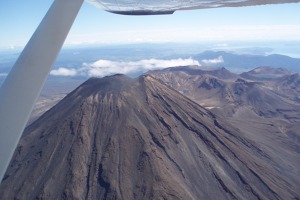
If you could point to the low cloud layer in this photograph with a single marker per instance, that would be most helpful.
(102, 68)
(213, 61)
(64, 72)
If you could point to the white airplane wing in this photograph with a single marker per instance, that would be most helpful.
(155, 7)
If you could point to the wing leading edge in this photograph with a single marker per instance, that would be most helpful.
(158, 7)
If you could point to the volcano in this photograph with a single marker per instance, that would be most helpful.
(123, 138)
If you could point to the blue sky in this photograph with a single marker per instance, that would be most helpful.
(19, 19)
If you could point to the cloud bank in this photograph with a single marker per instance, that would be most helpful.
(213, 61)
(64, 72)
(102, 68)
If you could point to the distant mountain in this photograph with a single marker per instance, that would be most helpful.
(247, 61)
(211, 89)
(196, 70)
(266, 72)
(123, 138)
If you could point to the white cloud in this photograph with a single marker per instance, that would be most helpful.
(213, 61)
(102, 68)
(63, 72)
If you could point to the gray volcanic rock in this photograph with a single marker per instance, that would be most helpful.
(123, 138)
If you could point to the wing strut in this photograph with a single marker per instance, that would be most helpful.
(26, 79)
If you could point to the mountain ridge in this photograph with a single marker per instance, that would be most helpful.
(123, 138)
(248, 61)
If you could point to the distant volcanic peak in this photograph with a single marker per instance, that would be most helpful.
(261, 69)
(270, 70)
(265, 73)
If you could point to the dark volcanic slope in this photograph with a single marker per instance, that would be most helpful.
(122, 138)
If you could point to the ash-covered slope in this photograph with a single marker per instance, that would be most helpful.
(122, 138)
